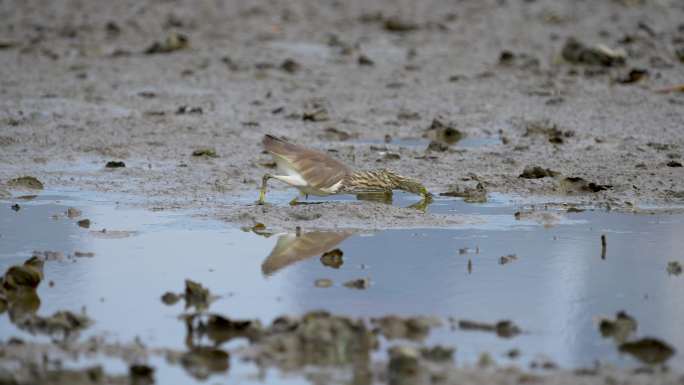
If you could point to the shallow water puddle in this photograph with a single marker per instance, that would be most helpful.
(549, 280)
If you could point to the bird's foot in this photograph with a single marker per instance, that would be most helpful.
(262, 197)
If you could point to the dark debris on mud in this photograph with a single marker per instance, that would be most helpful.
(19, 298)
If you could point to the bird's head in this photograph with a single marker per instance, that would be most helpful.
(407, 184)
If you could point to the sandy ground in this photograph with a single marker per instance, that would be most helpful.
(77, 90)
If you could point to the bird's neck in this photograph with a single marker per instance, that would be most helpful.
(369, 181)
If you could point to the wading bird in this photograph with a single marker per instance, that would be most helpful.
(316, 173)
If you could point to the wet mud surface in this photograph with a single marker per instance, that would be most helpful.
(549, 132)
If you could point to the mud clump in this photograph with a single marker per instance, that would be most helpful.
(634, 75)
(220, 329)
(61, 325)
(112, 234)
(504, 329)
(505, 259)
(438, 353)
(619, 329)
(649, 351)
(25, 182)
(394, 24)
(518, 60)
(547, 129)
(170, 298)
(537, 172)
(359, 284)
(674, 268)
(576, 52)
(317, 338)
(332, 133)
(84, 223)
(201, 362)
(365, 61)
(290, 66)
(196, 295)
(141, 374)
(404, 363)
(470, 194)
(188, 110)
(411, 328)
(437, 146)
(578, 185)
(545, 218)
(259, 229)
(18, 295)
(115, 164)
(25, 276)
(48, 255)
(333, 258)
(315, 110)
(72, 213)
(205, 152)
(61, 376)
(441, 132)
(323, 283)
(174, 42)
(318, 115)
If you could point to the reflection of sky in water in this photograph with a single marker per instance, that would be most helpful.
(554, 291)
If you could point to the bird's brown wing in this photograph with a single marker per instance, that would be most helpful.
(318, 169)
(291, 248)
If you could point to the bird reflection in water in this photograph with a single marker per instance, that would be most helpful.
(383, 197)
(291, 248)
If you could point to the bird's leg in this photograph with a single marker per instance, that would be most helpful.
(262, 191)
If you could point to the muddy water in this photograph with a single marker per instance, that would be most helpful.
(555, 289)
